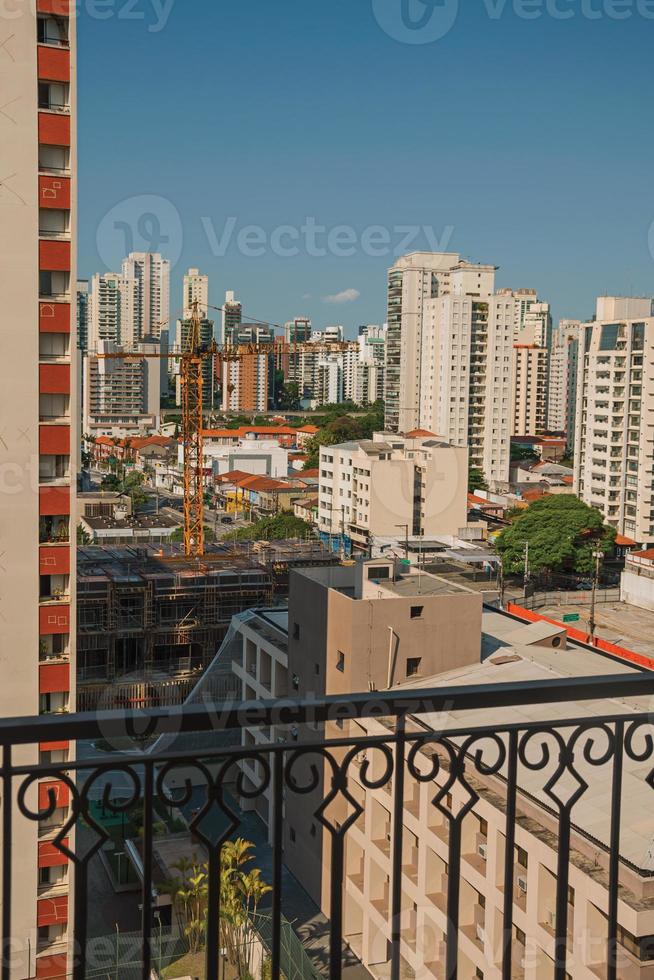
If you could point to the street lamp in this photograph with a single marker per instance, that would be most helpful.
(598, 556)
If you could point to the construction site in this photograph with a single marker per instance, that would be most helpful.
(149, 620)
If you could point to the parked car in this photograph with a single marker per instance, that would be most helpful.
(226, 520)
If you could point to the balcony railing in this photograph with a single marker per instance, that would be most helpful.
(535, 774)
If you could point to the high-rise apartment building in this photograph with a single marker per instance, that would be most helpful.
(529, 390)
(122, 396)
(152, 273)
(231, 316)
(39, 433)
(83, 298)
(330, 335)
(562, 374)
(614, 438)
(297, 331)
(246, 383)
(196, 290)
(449, 356)
(113, 310)
(182, 332)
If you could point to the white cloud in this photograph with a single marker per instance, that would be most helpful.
(347, 296)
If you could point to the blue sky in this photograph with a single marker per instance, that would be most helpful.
(521, 141)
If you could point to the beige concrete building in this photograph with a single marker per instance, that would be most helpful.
(513, 653)
(562, 378)
(39, 434)
(122, 396)
(449, 355)
(614, 438)
(393, 485)
(530, 390)
(362, 627)
(637, 580)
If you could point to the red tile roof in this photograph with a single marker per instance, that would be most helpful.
(648, 553)
(311, 429)
(623, 542)
(420, 433)
(232, 476)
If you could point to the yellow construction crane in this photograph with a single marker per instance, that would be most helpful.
(191, 359)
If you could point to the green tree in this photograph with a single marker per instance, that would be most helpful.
(476, 480)
(283, 527)
(83, 536)
(562, 531)
(178, 534)
(289, 396)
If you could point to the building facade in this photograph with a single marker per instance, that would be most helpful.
(449, 356)
(614, 437)
(113, 310)
(530, 390)
(38, 404)
(196, 290)
(562, 374)
(390, 485)
(122, 395)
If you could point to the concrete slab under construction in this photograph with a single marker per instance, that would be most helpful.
(150, 620)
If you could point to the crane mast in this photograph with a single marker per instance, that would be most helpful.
(191, 380)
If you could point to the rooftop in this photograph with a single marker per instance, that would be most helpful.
(509, 655)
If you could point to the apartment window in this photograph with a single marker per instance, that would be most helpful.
(416, 612)
(413, 666)
(522, 857)
(340, 662)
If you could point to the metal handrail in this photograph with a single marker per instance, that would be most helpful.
(379, 704)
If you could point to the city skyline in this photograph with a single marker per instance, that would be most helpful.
(500, 155)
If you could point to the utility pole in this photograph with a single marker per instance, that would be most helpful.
(597, 555)
(501, 582)
(526, 579)
(406, 539)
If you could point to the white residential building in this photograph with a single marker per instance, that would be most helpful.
(122, 396)
(113, 310)
(261, 457)
(182, 330)
(449, 356)
(152, 273)
(330, 335)
(529, 390)
(297, 331)
(372, 487)
(232, 314)
(614, 438)
(196, 290)
(563, 360)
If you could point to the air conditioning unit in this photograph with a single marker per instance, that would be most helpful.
(479, 930)
(550, 918)
(522, 883)
(482, 851)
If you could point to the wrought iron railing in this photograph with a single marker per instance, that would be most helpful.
(404, 741)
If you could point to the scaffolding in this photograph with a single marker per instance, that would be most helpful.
(149, 622)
